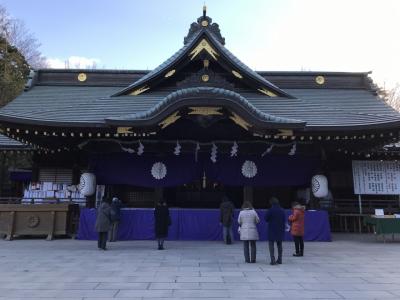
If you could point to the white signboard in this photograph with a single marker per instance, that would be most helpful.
(376, 177)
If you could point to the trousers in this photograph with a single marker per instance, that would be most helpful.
(225, 231)
(102, 241)
(299, 244)
(250, 254)
(113, 232)
(272, 250)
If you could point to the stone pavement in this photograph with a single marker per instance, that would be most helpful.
(351, 267)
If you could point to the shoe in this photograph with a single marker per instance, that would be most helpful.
(297, 254)
(272, 263)
(253, 261)
(279, 262)
(247, 261)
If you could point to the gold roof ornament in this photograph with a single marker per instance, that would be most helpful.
(203, 45)
(82, 77)
(320, 80)
(205, 78)
(285, 132)
(139, 90)
(267, 92)
(124, 130)
(239, 121)
(205, 111)
(170, 73)
(169, 120)
(237, 74)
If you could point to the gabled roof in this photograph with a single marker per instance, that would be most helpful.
(306, 101)
(204, 38)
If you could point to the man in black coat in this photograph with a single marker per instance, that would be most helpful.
(276, 219)
(162, 222)
(227, 209)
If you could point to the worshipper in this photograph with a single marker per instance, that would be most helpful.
(115, 219)
(276, 219)
(226, 219)
(248, 220)
(297, 227)
(103, 222)
(162, 222)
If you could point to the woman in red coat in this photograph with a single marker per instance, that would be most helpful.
(297, 228)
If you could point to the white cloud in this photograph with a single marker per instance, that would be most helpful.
(73, 62)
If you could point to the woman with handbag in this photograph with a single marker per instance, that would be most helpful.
(162, 222)
(248, 220)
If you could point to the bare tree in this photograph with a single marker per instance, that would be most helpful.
(391, 96)
(16, 34)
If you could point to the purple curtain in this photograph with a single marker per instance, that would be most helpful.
(274, 170)
(195, 224)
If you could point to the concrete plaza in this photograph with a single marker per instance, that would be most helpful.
(350, 267)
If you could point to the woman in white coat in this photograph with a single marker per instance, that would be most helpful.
(248, 220)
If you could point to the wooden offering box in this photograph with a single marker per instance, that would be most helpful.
(38, 219)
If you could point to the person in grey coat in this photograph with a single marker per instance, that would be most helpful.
(103, 222)
(248, 220)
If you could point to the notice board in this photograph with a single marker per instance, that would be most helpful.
(376, 177)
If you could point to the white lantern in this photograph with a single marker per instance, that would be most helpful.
(319, 186)
(87, 184)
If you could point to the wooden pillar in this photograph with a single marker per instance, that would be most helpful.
(158, 194)
(52, 225)
(248, 193)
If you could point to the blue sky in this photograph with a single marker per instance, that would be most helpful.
(340, 35)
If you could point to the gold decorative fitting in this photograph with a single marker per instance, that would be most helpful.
(205, 111)
(285, 132)
(206, 63)
(170, 73)
(170, 120)
(139, 91)
(204, 23)
(239, 121)
(122, 130)
(237, 74)
(205, 78)
(203, 45)
(267, 92)
(82, 77)
(320, 79)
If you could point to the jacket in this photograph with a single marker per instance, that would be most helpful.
(116, 210)
(248, 220)
(276, 219)
(226, 214)
(103, 218)
(297, 219)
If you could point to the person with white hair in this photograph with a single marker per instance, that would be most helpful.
(115, 219)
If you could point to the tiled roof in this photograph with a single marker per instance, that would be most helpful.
(90, 106)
